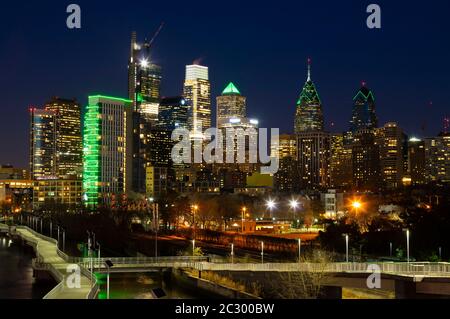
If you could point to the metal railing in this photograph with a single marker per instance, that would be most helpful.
(416, 269)
(40, 263)
(139, 260)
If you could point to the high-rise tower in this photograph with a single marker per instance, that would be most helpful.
(230, 105)
(106, 152)
(309, 116)
(197, 92)
(363, 113)
(68, 137)
(144, 78)
(42, 143)
(312, 142)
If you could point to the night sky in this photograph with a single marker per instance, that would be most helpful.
(261, 46)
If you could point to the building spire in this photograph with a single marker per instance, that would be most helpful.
(309, 70)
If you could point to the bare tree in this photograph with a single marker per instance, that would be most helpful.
(305, 284)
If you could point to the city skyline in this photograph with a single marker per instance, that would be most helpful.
(336, 80)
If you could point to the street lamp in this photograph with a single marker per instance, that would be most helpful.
(262, 252)
(356, 206)
(232, 253)
(194, 209)
(193, 247)
(346, 246)
(243, 210)
(299, 249)
(407, 244)
(108, 265)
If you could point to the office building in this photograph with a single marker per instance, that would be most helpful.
(173, 113)
(363, 112)
(197, 92)
(42, 143)
(68, 142)
(391, 141)
(366, 161)
(313, 159)
(309, 115)
(107, 140)
(416, 161)
(340, 162)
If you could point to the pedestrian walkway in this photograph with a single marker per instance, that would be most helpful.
(49, 258)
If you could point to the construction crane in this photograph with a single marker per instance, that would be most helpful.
(155, 35)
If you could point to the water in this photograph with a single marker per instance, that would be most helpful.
(16, 272)
(140, 285)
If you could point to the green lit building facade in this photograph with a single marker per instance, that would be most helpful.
(107, 138)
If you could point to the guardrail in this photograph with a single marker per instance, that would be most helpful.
(41, 264)
(139, 260)
(424, 269)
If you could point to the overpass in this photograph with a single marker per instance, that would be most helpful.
(408, 280)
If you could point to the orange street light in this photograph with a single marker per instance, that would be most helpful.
(244, 209)
(356, 205)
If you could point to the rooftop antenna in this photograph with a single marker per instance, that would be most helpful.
(309, 70)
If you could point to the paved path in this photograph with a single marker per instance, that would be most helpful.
(49, 259)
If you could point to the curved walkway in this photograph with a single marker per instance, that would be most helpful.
(50, 258)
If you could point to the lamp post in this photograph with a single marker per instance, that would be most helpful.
(390, 249)
(270, 205)
(243, 210)
(440, 253)
(194, 210)
(108, 265)
(262, 252)
(346, 246)
(58, 236)
(64, 239)
(51, 229)
(99, 263)
(407, 245)
(293, 204)
(299, 249)
(232, 253)
(193, 247)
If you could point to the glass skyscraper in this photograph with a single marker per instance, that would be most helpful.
(309, 116)
(106, 153)
(197, 92)
(363, 113)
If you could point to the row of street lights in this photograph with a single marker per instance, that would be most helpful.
(390, 246)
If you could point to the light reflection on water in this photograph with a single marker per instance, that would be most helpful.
(16, 272)
(140, 286)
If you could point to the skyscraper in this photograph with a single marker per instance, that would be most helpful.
(144, 90)
(363, 113)
(173, 113)
(340, 161)
(68, 137)
(390, 139)
(313, 158)
(144, 78)
(230, 105)
(312, 142)
(366, 161)
(42, 144)
(309, 116)
(197, 92)
(416, 161)
(286, 179)
(232, 115)
(107, 138)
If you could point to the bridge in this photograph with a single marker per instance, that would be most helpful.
(408, 280)
(50, 259)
